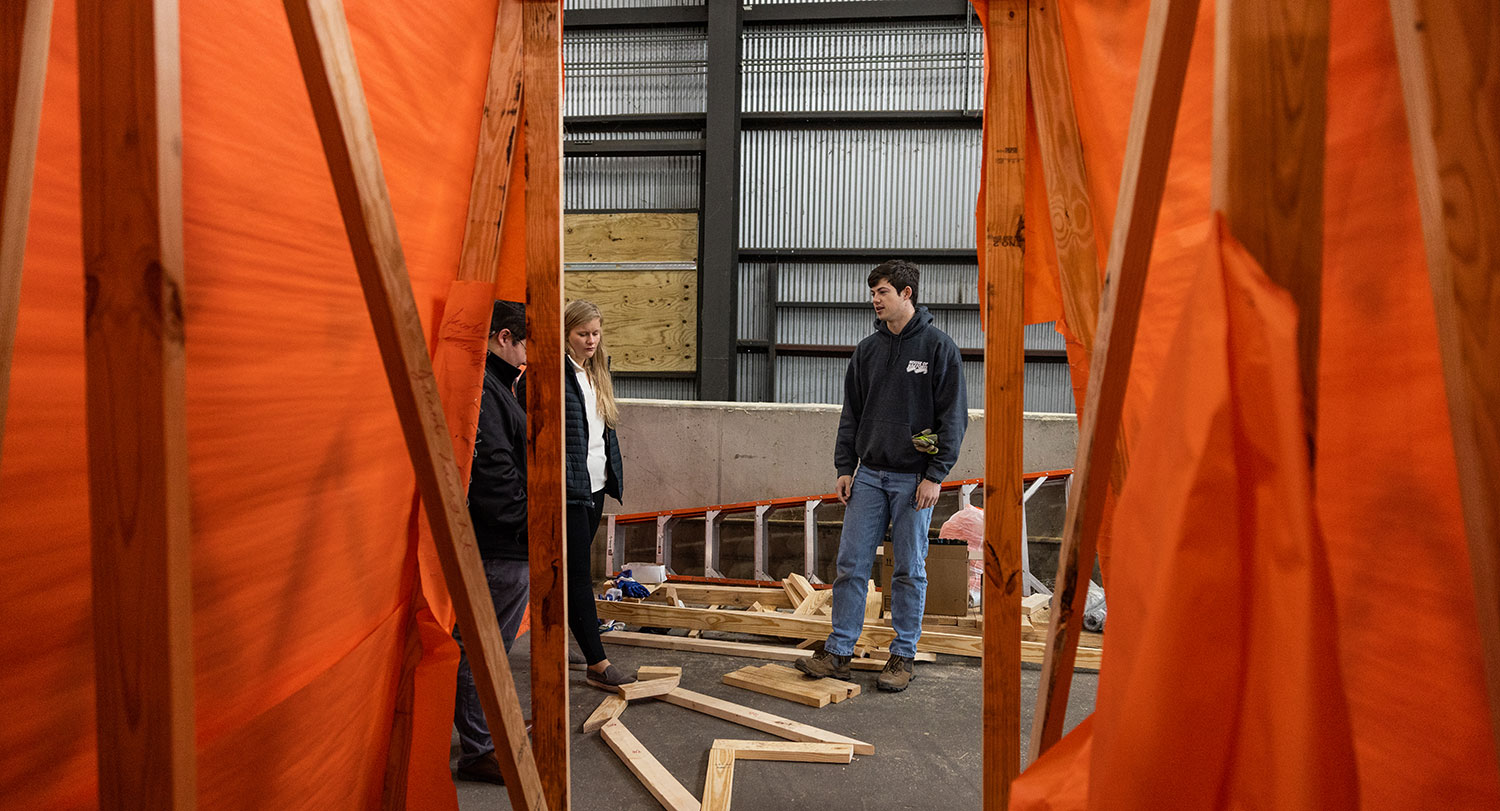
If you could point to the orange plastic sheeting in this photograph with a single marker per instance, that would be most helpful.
(1217, 515)
(301, 484)
(1387, 481)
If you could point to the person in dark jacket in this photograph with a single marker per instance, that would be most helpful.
(905, 413)
(497, 507)
(593, 470)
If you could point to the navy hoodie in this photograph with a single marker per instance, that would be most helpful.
(897, 385)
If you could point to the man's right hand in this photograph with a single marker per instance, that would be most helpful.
(842, 487)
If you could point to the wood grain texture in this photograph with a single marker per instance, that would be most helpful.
(542, 107)
(776, 624)
(763, 721)
(608, 710)
(718, 783)
(479, 256)
(748, 679)
(742, 596)
(650, 316)
(1153, 120)
(1449, 56)
(1270, 112)
(321, 36)
(663, 786)
(786, 751)
(25, 28)
(1004, 385)
(747, 650)
(634, 236)
(640, 688)
(140, 531)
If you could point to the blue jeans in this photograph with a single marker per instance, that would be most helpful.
(876, 500)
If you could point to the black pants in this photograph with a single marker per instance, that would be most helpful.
(583, 618)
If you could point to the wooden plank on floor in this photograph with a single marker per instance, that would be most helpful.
(718, 783)
(608, 710)
(25, 29)
(779, 624)
(763, 721)
(1153, 120)
(657, 780)
(749, 679)
(139, 507)
(838, 689)
(541, 71)
(647, 688)
(1449, 55)
(321, 36)
(645, 672)
(1270, 114)
(1004, 374)
(722, 647)
(787, 751)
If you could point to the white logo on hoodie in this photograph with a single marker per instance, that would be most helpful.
(917, 367)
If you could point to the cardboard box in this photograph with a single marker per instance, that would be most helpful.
(947, 578)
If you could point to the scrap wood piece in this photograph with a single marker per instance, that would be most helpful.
(815, 602)
(762, 721)
(838, 689)
(782, 682)
(716, 595)
(608, 710)
(747, 650)
(646, 672)
(718, 784)
(787, 751)
(641, 688)
(657, 780)
(797, 589)
(873, 602)
(1032, 603)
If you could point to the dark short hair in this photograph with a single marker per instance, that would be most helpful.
(509, 315)
(900, 273)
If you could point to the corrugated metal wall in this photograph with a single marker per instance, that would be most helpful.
(634, 71)
(821, 380)
(888, 189)
(875, 66)
(645, 183)
(569, 5)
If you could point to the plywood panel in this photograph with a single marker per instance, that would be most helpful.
(630, 237)
(650, 316)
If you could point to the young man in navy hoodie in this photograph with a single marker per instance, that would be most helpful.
(905, 412)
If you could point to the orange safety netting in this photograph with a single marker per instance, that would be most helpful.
(301, 488)
(1281, 636)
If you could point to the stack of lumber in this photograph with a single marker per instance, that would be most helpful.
(790, 684)
(797, 610)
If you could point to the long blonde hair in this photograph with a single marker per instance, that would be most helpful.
(575, 315)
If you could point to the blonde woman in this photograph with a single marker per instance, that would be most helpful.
(593, 470)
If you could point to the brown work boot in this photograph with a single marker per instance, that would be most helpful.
(899, 671)
(825, 665)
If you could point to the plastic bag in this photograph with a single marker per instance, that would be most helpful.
(967, 525)
(1094, 609)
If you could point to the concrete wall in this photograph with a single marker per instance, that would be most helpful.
(693, 454)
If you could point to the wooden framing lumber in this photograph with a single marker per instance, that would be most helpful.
(718, 783)
(777, 624)
(1447, 53)
(1153, 120)
(1004, 385)
(321, 36)
(541, 47)
(748, 650)
(657, 780)
(1270, 110)
(479, 255)
(763, 721)
(784, 682)
(129, 85)
(25, 28)
(787, 751)
(658, 672)
(608, 710)
(640, 688)
(740, 596)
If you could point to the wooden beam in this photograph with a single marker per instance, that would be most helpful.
(1153, 119)
(663, 786)
(1004, 387)
(742, 596)
(1449, 55)
(541, 46)
(129, 89)
(787, 751)
(763, 721)
(24, 32)
(778, 624)
(1270, 111)
(479, 256)
(608, 710)
(748, 650)
(321, 36)
(640, 688)
(718, 783)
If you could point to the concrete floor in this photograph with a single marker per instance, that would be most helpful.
(927, 739)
